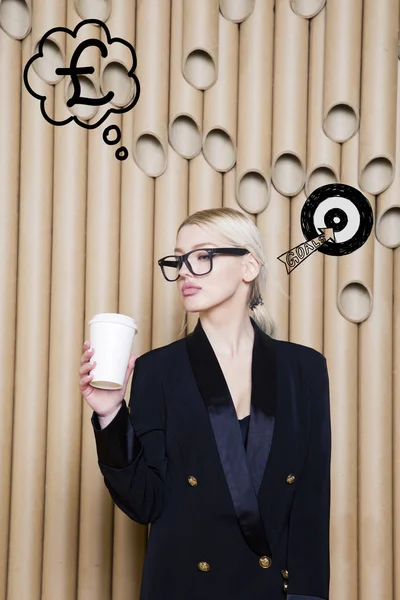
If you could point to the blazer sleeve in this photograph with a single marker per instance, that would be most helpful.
(131, 450)
(308, 546)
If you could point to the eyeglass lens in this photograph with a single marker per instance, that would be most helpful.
(199, 261)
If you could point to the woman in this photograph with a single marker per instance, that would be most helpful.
(225, 446)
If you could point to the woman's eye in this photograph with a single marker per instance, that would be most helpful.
(203, 256)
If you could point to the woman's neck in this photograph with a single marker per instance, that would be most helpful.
(230, 335)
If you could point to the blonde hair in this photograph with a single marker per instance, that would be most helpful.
(240, 232)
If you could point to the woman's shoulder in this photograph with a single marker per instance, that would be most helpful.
(161, 354)
(307, 355)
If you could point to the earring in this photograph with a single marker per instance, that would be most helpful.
(256, 302)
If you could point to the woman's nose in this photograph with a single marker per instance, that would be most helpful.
(184, 269)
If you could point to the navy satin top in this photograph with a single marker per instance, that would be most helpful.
(244, 427)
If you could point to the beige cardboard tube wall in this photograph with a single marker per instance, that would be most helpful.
(387, 226)
(60, 543)
(102, 267)
(81, 233)
(205, 191)
(237, 10)
(356, 270)
(375, 523)
(185, 101)
(115, 66)
(289, 130)
(32, 336)
(307, 8)
(220, 114)
(170, 207)
(396, 420)
(16, 18)
(255, 108)
(342, 72)
(200, 43)
(306, 287)
(343, 384)
(378, 95)
(323, 155)
(10, 114)
(273, 224)
(150, 126)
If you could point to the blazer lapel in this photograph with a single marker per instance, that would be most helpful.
(243, 472)
(263, 405)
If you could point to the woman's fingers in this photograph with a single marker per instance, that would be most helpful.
(85, 380)
(86, 367)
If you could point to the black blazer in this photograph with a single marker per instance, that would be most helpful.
(228, 522)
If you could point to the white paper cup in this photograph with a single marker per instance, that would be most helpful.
(111, 336)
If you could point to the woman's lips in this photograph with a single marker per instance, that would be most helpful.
(190, 291)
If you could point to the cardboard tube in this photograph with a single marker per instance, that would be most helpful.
(220, 112)
(60, 545)
(255, 108)
(388, 219)
(273, 223)
(342, 69)
(16, 17)
(32, 336)
(341, 352)
(200, 43)
(93, 9)
(10, 68)
(236, 10)
(102, 266)
(289, 100)
(375, 426)
(150, 127)
(378, 95)
(307, 8)
(306, 287)
(323, 155)
(355, 271)
(205, 191)
(170, 211)
(135, 298)
(136, 245)
(396, 420)
(229, 193)
(205, 185)
(46, 15)
(115, 66)
(185, 102)
(387, 227)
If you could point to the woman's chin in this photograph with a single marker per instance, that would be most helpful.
(192, 306)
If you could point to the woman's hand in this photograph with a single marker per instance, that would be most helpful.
(105, 403)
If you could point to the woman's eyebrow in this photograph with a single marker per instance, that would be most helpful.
(196, 246)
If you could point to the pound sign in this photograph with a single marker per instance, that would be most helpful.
(73, 70)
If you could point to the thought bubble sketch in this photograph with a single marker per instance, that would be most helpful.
(73, 71)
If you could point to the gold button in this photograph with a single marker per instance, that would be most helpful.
(203, 566)
(192, 480)
(285, 573)
(285, 586)
(290, 478)
(265, 562)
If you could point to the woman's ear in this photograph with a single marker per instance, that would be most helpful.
(251, 268)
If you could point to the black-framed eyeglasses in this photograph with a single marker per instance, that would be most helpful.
(199, 262)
